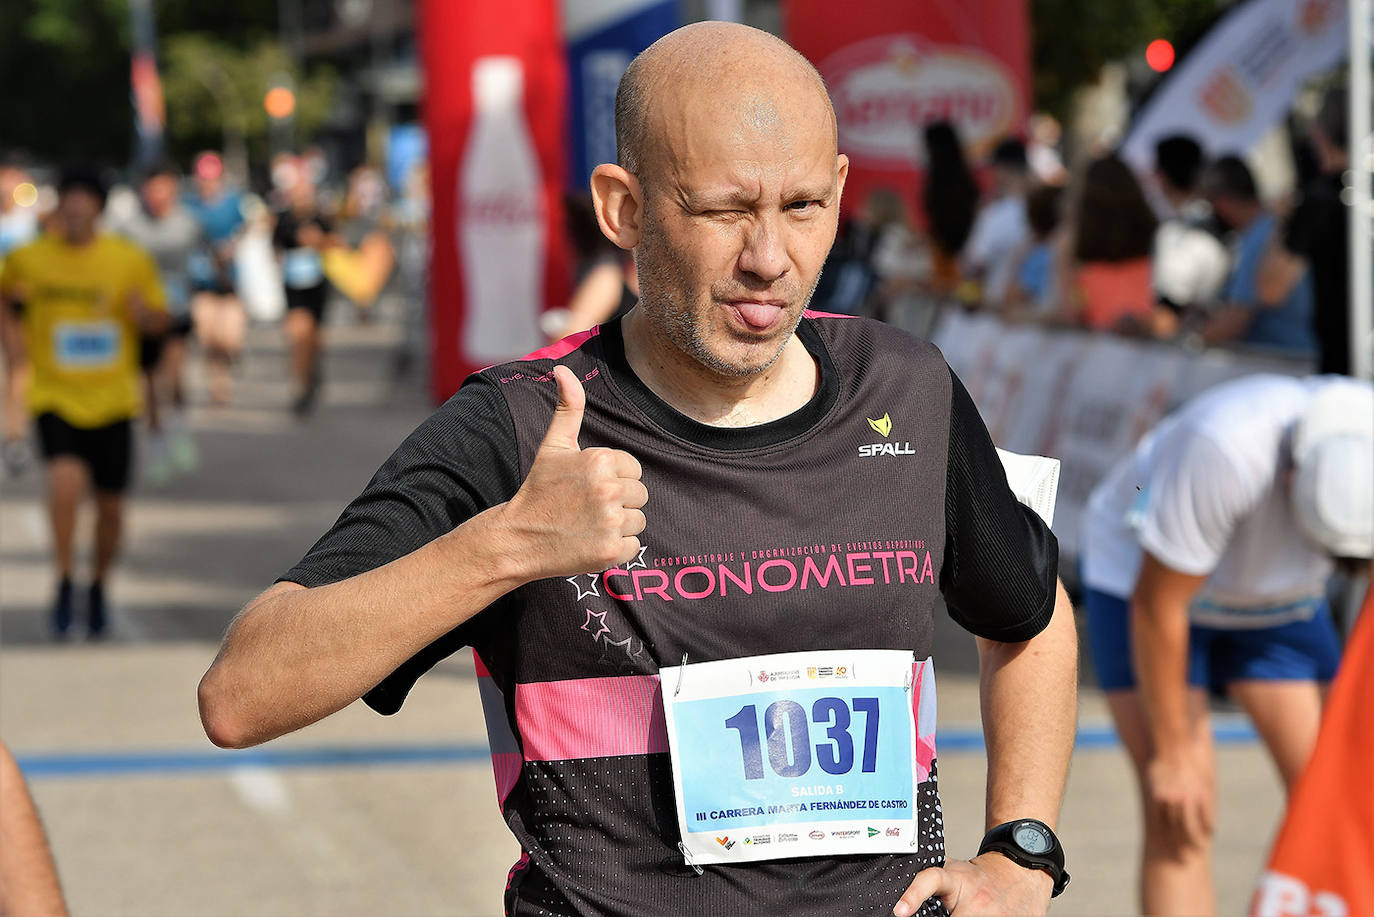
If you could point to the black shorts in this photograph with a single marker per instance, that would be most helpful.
(108, 451)
(311, 299)
(150, 345)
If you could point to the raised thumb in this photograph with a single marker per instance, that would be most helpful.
(567, 415)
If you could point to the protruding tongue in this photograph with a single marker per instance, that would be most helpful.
(758, 315)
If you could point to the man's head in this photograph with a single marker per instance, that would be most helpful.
(1230, 188)
(1332, 487)
(80, 199)
(159, 189)
(1010, 168)
(1178, 162)
(727, 190)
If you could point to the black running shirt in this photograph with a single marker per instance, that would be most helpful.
(836, 527)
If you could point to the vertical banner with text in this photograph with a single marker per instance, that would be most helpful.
(894, 66)
(494, 110)
(603, 37)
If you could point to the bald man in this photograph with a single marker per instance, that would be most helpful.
(697, 553)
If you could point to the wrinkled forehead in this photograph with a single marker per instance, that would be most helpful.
(748, 131)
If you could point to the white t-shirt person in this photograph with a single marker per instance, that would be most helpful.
(1208, 492)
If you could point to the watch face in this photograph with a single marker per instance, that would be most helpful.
(1031, 838)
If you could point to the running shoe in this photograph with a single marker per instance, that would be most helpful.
(95, 611)
(62, 609)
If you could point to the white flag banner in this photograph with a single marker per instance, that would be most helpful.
(1240, 80)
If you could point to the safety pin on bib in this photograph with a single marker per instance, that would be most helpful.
(682, 670)
(687, 858)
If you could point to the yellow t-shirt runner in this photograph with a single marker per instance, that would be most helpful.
(78, 324)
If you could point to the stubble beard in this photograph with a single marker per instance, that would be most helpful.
(662, 301)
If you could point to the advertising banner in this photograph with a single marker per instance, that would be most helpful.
(1083, 398)
(603, 36)
(494, 111)
(894, 66)
(1240, 80)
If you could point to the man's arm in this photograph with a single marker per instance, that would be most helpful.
(1177, 785)
(28, 878)
(296, 655)
(1029, 694)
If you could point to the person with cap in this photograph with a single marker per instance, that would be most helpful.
(1206, 556)
(77, 302)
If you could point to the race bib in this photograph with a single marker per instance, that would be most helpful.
(799, 754)
(86, 345)
(302, 268)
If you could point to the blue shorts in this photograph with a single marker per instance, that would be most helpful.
(1301, 651)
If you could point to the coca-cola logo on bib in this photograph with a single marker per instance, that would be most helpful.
(885, 89)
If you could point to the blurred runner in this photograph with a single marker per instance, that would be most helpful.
(160, 224)
(302, 236)
(18, 225)
(1205, 562)
(29, 886)
(78, 301)
(215, 307)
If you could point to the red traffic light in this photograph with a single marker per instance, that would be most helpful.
(1159, 54)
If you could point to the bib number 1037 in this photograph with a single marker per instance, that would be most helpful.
(786, 736)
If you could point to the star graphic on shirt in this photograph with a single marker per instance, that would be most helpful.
(638, 561)
(625, 645)
(590, 588)
(600, 621)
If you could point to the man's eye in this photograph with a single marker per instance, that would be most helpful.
(803, 206)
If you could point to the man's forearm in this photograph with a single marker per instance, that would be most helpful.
(1029, 695)
(294, 655)
(1159, 641)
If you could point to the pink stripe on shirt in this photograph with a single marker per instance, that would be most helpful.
(591, 718)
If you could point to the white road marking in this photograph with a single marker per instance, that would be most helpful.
(261, 790)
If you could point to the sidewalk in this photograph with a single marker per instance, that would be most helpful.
(363, 814)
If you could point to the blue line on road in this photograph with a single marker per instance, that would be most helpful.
(145, 763)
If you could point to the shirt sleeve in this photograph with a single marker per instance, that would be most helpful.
(1001, 562)
(1192, 499)
(459, 462)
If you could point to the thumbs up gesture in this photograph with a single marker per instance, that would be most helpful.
(579, 510)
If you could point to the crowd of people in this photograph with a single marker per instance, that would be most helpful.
(1190, 253)
(104, 290)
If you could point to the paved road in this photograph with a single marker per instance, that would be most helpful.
(363, 814)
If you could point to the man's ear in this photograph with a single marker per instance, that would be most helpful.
(619, 203)
(841, 174)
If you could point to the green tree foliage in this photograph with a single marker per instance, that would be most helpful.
(215, 91)
(65, 66)
(1072, 39)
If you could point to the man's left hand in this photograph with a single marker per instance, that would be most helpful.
(989, 884)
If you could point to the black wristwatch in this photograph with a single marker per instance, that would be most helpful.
(1029, 843)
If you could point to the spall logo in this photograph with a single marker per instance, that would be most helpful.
(882, 426)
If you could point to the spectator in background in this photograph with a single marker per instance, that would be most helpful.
(607, 286)
(1032, 287)
(1256, 309)
(1106, 282)
(1190, 262)
(1001, 227)
(215, 307)
(1317, 237)
(950, 200)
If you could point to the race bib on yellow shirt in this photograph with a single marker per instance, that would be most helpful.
(799, 754)
(86, 345)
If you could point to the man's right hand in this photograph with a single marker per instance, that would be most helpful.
(579, 511)
(1179, 790)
